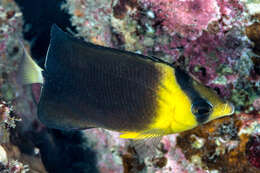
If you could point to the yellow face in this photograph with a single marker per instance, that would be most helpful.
(187, 115)
(177, 112)
(220, 107)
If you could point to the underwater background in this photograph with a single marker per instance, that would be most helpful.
(216, 41)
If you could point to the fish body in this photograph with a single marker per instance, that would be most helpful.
(88, 86)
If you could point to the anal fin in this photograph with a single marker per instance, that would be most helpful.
(146, 141)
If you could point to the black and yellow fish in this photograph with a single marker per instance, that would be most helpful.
(87, 86)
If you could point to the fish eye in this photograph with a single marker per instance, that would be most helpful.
(202, 110)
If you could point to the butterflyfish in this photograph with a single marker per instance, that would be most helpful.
(90, 86)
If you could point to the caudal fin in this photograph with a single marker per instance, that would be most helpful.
(29, 72)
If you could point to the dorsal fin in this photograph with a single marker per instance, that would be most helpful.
(63, 49)
(71, 46)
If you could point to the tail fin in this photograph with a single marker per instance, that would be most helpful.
(29, 72)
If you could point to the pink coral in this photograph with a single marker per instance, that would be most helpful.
(205, 57)
(213, 58)
(256, 104)
(186, 17)
(253, 151)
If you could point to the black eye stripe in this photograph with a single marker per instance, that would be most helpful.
(185, 82)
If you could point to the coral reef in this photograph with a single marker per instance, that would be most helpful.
(216, 41)
(10, 24)
(94, 15)
(224, 149)
(12, 159)
(187, 18)
(253, 151)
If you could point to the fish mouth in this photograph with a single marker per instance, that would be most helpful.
(229, 106)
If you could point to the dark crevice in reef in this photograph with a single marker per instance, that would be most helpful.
(38, 17)
(60, 151)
